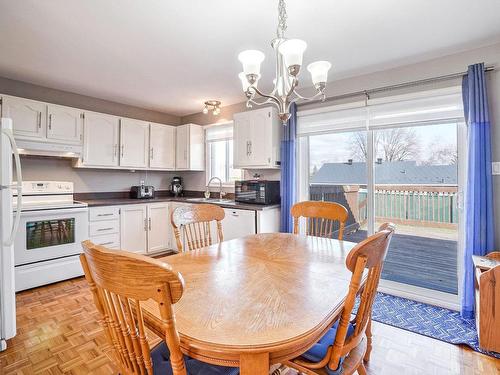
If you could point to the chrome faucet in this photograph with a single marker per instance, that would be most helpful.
(207, 191)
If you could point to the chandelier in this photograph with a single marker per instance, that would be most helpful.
(212, 105)
(289, 54)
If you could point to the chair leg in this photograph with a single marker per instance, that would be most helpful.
(369, 340)
(361, 370)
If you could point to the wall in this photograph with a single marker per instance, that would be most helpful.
(30, 91)
(86, 180)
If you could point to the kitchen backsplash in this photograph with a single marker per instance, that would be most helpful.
(90, 180)
(102, 180)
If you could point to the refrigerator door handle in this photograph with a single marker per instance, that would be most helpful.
(18, 186)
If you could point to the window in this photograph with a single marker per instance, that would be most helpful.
(219, 140)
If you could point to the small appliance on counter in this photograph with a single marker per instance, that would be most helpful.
(142, 191)
(176, 187)
(257, 192)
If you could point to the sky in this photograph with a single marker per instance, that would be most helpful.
(337, 148)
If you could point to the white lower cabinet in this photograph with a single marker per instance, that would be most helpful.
(139, 228)
(158, 227)
(104, 226)
(146, 228)
(133, 228)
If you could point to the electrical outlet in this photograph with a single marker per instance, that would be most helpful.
(495, 168)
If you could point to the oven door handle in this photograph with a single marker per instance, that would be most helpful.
(17, 186)
(61, 212)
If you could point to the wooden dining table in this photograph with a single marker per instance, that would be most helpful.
(255, 301)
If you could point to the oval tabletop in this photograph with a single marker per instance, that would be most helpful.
(274, 293)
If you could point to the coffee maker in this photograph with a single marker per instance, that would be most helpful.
(176, 186)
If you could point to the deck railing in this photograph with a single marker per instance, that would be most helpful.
(428, 205)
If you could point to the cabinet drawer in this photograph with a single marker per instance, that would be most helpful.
(104, 227)
(104, 213)
(109, 240)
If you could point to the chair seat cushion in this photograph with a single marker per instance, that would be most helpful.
(160, 356)
(319, 350)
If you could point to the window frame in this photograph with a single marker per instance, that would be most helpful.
(208, 164)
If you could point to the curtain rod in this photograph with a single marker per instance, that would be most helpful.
(396, 86)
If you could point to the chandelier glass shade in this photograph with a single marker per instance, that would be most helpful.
(289, 56)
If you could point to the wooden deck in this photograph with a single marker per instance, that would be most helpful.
(420, 261)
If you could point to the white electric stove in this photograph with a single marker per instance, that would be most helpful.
(51, 229)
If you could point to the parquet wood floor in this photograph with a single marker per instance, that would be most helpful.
(58, 334)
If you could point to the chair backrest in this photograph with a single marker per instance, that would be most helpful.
(119, 282)
(368, 254)
(194, 220)
(320, 218)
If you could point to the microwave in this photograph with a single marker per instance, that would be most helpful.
(257, 192)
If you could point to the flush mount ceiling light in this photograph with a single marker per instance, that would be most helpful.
(212, 105)
(289, 54)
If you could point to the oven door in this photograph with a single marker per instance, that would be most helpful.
(50, 234)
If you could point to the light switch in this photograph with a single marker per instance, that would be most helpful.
(495, 168)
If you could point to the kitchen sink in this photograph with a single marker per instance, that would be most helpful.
(210, 200)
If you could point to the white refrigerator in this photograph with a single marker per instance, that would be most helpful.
(8, 228)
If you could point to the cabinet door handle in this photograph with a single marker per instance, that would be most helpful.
(110, 214)
(115, 150)
(248, 148)
(39, 120)
(146, 225)
(123, 149)
(50, 121)
(104, 229)
(149, 220)
(152, 153)
(250, 142)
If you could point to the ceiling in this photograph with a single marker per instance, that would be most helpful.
(172, 55)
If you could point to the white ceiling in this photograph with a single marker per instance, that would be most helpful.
(172, 55)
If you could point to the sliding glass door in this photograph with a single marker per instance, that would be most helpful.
(416, 186)
(403, 166)
(337, 175)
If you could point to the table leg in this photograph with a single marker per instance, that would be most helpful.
(254, 364)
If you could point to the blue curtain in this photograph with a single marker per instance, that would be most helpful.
(288, 171)
(479, 233)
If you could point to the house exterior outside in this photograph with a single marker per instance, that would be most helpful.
(405, 192)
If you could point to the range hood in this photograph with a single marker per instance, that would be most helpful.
(49, 149)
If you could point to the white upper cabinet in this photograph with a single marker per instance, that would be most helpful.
(257, 139)
(100, 140)
(162, 147)
(134, 143)
(64, 124)
(28, 116)
(190, 148)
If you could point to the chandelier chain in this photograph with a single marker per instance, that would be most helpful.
(282, 16)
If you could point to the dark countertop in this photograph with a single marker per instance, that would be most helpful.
(115, 201)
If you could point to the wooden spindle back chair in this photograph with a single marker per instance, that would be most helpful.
(370, 255)
(120, 281)
(320, 218)
(195, 222)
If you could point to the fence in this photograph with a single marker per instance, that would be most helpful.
(406, 204)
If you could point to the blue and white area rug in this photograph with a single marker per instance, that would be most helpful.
(436, 322)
